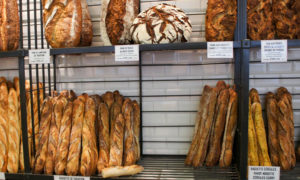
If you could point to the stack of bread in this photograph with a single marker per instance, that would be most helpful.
(215, 127)
(10, 125)
(80, 135)
(279, 142)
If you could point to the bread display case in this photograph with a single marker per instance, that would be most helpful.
(149, 137)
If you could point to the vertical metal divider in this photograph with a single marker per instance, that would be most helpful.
(31, 109)
(141, 101)
(54, 72)
(24, 113)
(49, 79)
(242, 82)
(42, 46)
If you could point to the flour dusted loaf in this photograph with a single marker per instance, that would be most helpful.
(9, 25)
(116, 19)
(163, 23)
(285, 19)
(220, 20)
(260, 22)
(62, 22)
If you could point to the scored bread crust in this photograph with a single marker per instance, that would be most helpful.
(3, 126)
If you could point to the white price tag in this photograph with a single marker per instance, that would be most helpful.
(274, 51)
(2, 176)
(57, 177)
(222, 49)
(264, 172)
(39, 56)
(127, 53)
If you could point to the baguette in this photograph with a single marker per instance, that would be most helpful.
(104, 142)
(264, 159)
(205, 129)
(108, 98)
(116, 145)
(29, 125)
(136, 128)
(129, 146)
(75, 137)
(35, 99)
(252, 140)
(121, 171)
(217, 129)
(118, 97)
(3, 126)
(97, 100)
(64, 139)
(41, 152)
(115, 110)
(89, 153)
(70, 95)
(58, 111)
(14, 132)
(87, 27)
(272, 114)
(126, 100)
(230, 128)
(284, 136)
(202, 109)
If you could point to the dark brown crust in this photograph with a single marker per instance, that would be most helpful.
(285, 19)
(118, 97)
(108, 98)
(201, 110)
(272, 115)
(97, 100)
(136, 127)
(114, 112)
(230, 129)
(254, 96)
(215, 140)
(205, 129)
(46, 116)
(87, 26)
(220, 20)
(9, 25)
(260, 20)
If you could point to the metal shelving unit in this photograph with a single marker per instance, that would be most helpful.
(156, 167)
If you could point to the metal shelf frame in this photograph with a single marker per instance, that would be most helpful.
(171, 166)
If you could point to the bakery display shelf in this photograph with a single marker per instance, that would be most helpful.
(143, 47)
(6, 54)
(291, 43)
(160, 167)
(291, 175)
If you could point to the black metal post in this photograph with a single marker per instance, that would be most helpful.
(23, 114)
(54, 71)
(141, 100)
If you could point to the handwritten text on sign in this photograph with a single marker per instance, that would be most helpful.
(274, 51)
(39, 56)
(70, 178)
(264, 173)
(222, 49)
(127, 53)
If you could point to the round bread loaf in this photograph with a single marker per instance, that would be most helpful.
(163, 23)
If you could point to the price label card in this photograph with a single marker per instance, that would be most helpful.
(274, 51)
(39, 56)
(264, 172)
(56, 177)
(127, 53)
(2, 176)
(222, 49)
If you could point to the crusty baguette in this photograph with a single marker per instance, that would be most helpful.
(70, 95)
(3, 126)
(116, 145)
(89, 154)
(264, 159)
(215, 140)
(104, 143)
(41, 151)
(136, 128)
(114, 112)
(252, 140)
(202, 109)
(230, 128)
(64, 139)
(58, 111)
(108, 98)
(35, 99)
(129, 146)
(2, 79)
(205, 129)
(29, 125)
(118, 97)
(283, 129)
(14, 132)
(254, 96)
(272, 115)
(121, 171)
(87, 27)
(97, 99)
(126, 100)
(75, 138)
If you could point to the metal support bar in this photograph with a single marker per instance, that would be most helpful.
(141, 101)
